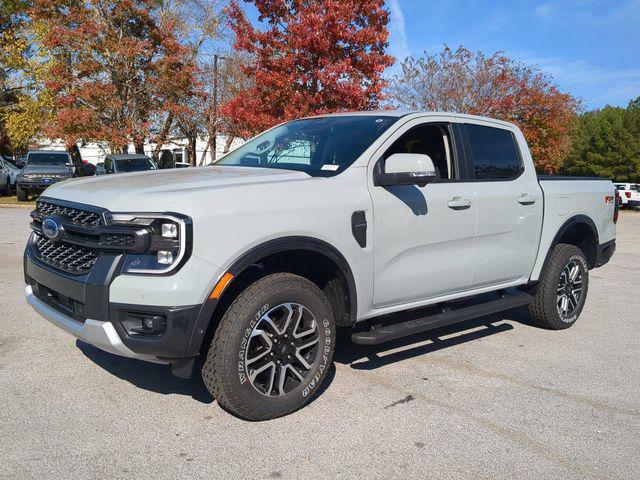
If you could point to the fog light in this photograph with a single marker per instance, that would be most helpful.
(165, 257)
(169, 230)
(148, 323)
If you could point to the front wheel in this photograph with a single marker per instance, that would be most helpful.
(562, 290)
(21, 194)
(273, 348)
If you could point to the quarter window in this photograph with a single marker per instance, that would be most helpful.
(494, 152)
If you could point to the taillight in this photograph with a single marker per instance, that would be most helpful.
(616, 207)
(627, 194)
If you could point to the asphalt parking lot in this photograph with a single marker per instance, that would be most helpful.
(493, 398)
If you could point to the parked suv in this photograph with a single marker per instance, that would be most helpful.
(333, 221)
(630, 194)
(125, 163)
(42, 169)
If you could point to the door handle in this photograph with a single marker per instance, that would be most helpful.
(459, 203)
(526, 199)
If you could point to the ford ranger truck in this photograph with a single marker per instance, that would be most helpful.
(247, 268)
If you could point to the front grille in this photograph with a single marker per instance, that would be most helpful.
(117, 240)
(75, 215)
(69, 258)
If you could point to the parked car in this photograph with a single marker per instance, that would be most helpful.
(630, 194)
(126, 163)
(5, 177)
(14, 173)
(325, 222)
(18, 161)
(42, 169)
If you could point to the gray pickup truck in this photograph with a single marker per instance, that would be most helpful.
(42, 169)
(332, 221)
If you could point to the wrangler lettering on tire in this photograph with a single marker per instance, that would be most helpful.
(272, 349)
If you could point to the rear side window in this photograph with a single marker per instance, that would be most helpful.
(494, 152)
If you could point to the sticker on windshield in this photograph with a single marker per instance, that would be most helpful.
(330, 167)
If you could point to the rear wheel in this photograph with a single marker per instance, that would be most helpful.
(21, 194)
(273, 348)
(562, 290)
(6, 188)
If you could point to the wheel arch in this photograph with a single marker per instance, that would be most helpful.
(289, 254)
(581, 231)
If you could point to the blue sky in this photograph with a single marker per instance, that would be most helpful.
(590, 47)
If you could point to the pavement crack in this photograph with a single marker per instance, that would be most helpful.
(407, 399)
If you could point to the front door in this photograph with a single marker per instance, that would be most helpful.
(423, 236)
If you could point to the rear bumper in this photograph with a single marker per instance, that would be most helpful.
(632, 203)
(98, 333)
(605, 252)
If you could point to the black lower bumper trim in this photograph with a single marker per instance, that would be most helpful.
(605, 252)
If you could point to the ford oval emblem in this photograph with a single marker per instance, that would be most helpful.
(51, 229)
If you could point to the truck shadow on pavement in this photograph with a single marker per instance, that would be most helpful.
(157, 378)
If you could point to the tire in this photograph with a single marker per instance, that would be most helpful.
(7, 188)
(548, 308)
(301, 331)
(22, 194)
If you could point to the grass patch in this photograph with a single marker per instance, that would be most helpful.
(13, 200)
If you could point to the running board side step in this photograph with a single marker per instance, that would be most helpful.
(387, 333)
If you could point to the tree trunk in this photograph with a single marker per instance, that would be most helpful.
(162, 136)
(193, 139)
(204, 154)
(139, 145)
(227, 143)
(213, 147)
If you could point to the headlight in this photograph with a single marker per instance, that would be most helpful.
(28, 176)
(170, 242)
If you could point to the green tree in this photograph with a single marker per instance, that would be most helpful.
(607, 144)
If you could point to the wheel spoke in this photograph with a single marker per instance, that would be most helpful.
(286, 333)
(574, 272)
(299, 350)
(253, 374)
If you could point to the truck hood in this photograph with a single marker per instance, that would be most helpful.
(157, 191)
(47, 169)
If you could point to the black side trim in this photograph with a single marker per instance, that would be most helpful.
(359, 227)
(547, 178)
(387, 333)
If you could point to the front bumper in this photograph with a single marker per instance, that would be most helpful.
(82, 305)
(38, 184)
(98, 333)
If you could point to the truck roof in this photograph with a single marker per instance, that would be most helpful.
(124, 156)
(405, 113)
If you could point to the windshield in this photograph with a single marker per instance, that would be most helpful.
(48, 159)
(318, 146)
(136, 164)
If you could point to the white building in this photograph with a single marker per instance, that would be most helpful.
(95, 152)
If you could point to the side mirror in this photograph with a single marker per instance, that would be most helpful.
(405, 169)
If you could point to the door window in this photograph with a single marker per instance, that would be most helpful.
(494, 152)
(428, 139)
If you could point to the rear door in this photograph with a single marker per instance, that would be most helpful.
(423, 236)
(509, 204)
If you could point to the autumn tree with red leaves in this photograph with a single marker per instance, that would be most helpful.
(116, 68)
(311, 57)
(494, 86)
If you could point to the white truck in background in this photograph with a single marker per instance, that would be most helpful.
(323, 222)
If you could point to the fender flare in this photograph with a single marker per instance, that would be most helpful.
(283, 244)
(254, 255)
(571, 222)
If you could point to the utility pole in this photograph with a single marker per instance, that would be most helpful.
(214, 110)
